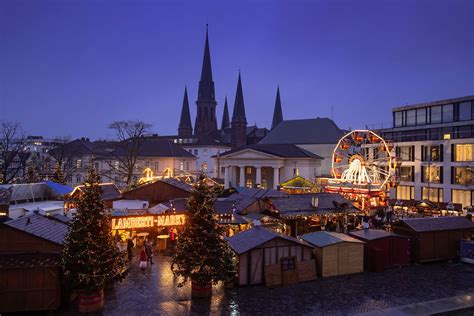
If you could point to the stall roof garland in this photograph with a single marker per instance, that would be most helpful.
(301, 205)
(298, 182)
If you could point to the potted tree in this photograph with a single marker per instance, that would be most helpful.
(202, 254)
(90, 257)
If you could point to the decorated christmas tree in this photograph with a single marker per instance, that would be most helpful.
(201, 253)
(58, 175)
(90, 256)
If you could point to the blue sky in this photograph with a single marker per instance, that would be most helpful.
(69, 68)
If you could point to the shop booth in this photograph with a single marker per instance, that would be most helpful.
(336, 253)
(265, 256)
(383, 249)
(435, 238)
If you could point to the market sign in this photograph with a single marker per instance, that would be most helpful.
(132, 222)
(148, 221)
(171, 220)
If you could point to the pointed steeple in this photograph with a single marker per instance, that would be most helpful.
(185, 128)
(277, 112)
(239, 108)
(239, 120)
(206, 121)
(225, 116)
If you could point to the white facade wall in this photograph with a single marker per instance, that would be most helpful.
(205, 162)
(325, 151)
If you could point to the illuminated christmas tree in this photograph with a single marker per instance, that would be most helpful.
(90, 256)
(58, 175)
(202, 254)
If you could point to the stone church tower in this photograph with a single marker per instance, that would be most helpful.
(206, 121)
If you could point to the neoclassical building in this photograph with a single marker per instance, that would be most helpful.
(266, 166)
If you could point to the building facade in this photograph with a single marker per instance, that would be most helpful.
(435, 142)
(266, 166)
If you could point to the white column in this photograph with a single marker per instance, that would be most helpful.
(242, 176)
(276, 177)
(258, 179)
(226, 177)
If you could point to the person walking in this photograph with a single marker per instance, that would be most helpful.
(149, 251)
(143, 259)
(130, 249)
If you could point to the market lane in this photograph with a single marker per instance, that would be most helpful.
(153, 291)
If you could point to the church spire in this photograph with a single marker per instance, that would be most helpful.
(239, 120)
(206, 121)
(225, 116)
(239, 108)
(277, 112)
(185, 128)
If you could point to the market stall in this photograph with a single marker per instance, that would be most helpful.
(435, 238)
(265, 256)
(383, 249)
(335, 253)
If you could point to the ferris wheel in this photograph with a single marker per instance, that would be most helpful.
(363, 159)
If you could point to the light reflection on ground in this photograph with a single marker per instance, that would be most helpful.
(153, 292)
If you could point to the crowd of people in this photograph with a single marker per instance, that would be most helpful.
(146, 246)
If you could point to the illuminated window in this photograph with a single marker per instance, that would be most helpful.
(432, 174)
(248, 170)
(249, 183)
(464, 197)
(446, 136)
(432, 194)
(463, 175)
(204, 166)
(463, 152)
(264, 184)
(405, 192)
(181, 165)
(116, 165)
(78, 163)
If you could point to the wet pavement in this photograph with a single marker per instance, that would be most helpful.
(153, 292)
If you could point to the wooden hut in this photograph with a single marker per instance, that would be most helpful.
(383, 249)
(109, 193)
(159, 191)
(265, 256)
(30, 263)
(435, 238)
(336, 253)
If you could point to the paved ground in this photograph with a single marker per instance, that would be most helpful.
(153, 292)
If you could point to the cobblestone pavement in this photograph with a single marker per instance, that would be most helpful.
(153, 292)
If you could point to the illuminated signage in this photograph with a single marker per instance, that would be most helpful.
(171, 220)
(148, 221)
(132, 222)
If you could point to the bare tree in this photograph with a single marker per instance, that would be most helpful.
(12, 152)
(63, 157)
(130, 136)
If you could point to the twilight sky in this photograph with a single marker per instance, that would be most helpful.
(70, 67)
